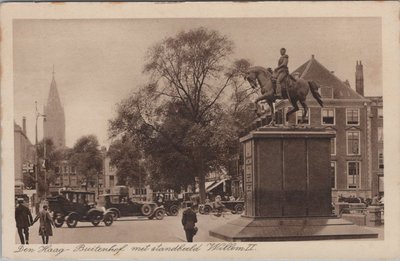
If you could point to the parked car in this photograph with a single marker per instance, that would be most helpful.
(169, 201)
(189, 198)
(236, 207)
(122, 206)
(72, 207)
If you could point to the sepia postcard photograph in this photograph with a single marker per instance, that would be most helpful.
(211, 130)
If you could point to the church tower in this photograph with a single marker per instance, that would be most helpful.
(54, 125)
(359, 78)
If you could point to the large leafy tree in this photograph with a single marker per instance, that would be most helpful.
(179, 120)
(186, 71)
(87, 158)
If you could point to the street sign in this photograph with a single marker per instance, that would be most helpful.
(28, 168)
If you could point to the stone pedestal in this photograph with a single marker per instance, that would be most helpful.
(339, 207)
(373, 216)
(287, 187)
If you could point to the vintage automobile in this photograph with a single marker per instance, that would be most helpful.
(72, 207)
(169, 201)
(189, 198)
(123, 206)
(236, 207)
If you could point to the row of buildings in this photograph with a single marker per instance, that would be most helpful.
(357, 158)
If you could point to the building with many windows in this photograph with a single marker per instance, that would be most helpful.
(357, 151)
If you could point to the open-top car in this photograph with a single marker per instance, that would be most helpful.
(122, 206)
(235, 206)
(77, 206)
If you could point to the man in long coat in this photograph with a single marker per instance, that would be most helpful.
(189, 219)
(23, 220)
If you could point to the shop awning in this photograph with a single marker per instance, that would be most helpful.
(216, 184)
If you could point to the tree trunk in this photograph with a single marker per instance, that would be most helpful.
(202, 186)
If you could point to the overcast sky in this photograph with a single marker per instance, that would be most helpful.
(99, 62)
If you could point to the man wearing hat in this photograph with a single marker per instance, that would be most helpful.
(189, 219)
(23, 220)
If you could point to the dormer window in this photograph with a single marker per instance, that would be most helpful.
(326, 92)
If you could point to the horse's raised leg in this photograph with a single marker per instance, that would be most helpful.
(305, 111)
(271, 106)
(295, 108)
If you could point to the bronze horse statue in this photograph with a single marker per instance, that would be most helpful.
(296, 90)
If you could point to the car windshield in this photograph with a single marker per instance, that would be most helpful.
(90, 198)
(79, 197)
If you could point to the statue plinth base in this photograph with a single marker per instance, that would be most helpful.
(260, 229)
(287, 189)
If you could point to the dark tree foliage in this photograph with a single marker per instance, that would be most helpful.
(126, 157)
(87, 158)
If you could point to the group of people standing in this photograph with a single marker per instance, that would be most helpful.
(24, 220)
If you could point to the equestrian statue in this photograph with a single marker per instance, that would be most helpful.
(279, 84)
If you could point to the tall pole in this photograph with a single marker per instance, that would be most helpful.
(37, 150)
(36, 157)
(45, 164)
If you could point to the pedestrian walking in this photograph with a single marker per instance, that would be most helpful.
(189, 219)
(45, 224)
(23, 220)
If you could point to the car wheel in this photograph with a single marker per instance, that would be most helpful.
(95, 220)
(58, 220)
(159, 214)
(108, 219)
(114, 214)
(146, 209)
(173, 210)
(239, 209)
(206, 210)
(72, 221)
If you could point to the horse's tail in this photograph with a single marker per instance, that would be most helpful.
(314, 91)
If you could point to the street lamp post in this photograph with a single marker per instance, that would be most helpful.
(37, 152)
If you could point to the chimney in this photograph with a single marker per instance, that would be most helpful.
(24, 125)
(359, 78)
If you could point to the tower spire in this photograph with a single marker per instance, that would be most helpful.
(54, 127)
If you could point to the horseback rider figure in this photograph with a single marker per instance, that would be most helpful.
(281, 72)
